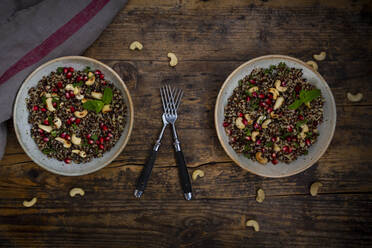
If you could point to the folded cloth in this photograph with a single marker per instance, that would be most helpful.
(35, 31)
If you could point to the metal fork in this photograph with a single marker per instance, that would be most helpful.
(173, 99)
(146, 172)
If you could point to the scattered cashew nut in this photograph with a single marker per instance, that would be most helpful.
(273, 115)
(50, 104)
(197, 173)
(76, 191)
(239, 123)
(47, 129)
(136, 45)
(81, 114)
(65, 143)
(260, 119)
(313, 64)
(80, 153)
(279, 101)
(30, 203)
(354, 98)
(248, 118)
(254, 224)
(261, 159)
(69, 87)
(266, 123)
(304, 130)
(79, 97)
(275, 93)
(321, 56)
(84, 100)
(279, 87)
(106, 108)
(314, 188)
(276, 148)
(173, 59)
(97, 95)
(75, 140)
(254, 88)
(254, 135)
(91, 79)
(57, 122)
(260, 197)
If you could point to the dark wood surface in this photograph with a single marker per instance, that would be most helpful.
(210, 38)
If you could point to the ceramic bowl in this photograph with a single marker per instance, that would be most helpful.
(23, 128)
(326, 129)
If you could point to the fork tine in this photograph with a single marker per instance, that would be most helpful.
(163, 99)
(178, 102)
(168, 98)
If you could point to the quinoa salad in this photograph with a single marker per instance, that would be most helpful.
(273, 115)
(76, 115)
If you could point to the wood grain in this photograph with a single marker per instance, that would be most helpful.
(210, 38)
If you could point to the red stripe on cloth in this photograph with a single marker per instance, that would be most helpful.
(55, 39)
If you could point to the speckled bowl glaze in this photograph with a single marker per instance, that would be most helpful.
(22, 127)
(326, 129)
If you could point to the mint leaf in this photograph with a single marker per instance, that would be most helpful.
(59, 70)
(53, 133)
(87, 69)
(300, 123)
(94, 137)
(93, 105)
(78, 84)
(247, 132)
(107, 95)
(43, 98)
(47, 150)
(295, 105)
(310, 95)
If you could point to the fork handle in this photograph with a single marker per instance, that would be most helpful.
(184, 175)
(145, 174)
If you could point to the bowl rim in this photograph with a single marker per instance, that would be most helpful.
(284, 57)
(130, 107)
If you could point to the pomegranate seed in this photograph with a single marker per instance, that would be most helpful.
(269, 110)
(63, 135)
(70, 69)
(101, 140)
(90, 142)
(226, 124)
(101, 125)
(240, 114)
(104, 82)
(68, 137)
(270, 96)
(46, 122)
(101, 76)
(290, 150)
(273, 139)
(77, 121)
(67, 95)
(59, 84)
(245, 122)
(289, 139)
(68, 75)
(248, 138)
(85, 78)
(252, 81)
(101, 147)
(254, 94)
(256, 126)
(97, 142)
(107, 138)
(262, 104)
(35, 108)
(65, 70)
(248, 99)
(110, 135)
(294, 139)
(258, 142)
(72, 109)
(298, 88)
(274, 161)
(228, 132)
(285, 149)
(79, 78)
(45, 139)
(67, 160)
(263, 150)
(43, 109)
(72, 119)
(233, 140)
(284, 84)
(273, 155)
(315, 123)
(262, 96)
(290, 129)
(54, 104)
(268, 101)
(97, 72)
(308, 142)
(40, 131)
(72, 95)
(88, 136)
(68, 122)
(104, 128)
(54, 89)
(301, 117)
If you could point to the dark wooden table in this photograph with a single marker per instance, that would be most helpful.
(210, 38)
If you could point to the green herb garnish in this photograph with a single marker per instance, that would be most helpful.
(53, 133)
(306, 152)
(107, 95)
(306, 96)
(269, 144)
(59, 70)
(87, 69)
(74, 126)
(247, 132)
(300, 123)
(94, 137)
(78, 84)
(43, 98)
(50, 119)
(93, 105)
(47, 150)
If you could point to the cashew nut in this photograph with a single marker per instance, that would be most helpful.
(80, 153)
(77, 191)
(278, 102)
(354, 98)
(260, 197)
(266, 123)
(261, 159)
(239, 123)
(81, 114)
(57, 122)
(253, 89)
(248, 118)
(84, 100)
(76, 91)
(314, 188)
(276, 148)
(97, 95)
(91, 79)
(307, 104)
(65, 143)
(313, 64)
(173, 59)
(304, 130)
(50, 104)
(30, 203)
(260, 119)
(75, 140)
(273, 115)
(106, 108)
(254, 135)
(321, 56)
(279, 87)
(254, 224)
(197, 173)
(47, 129)
(69, 87)
(79, 97)
(275, 93)
(135, 45)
